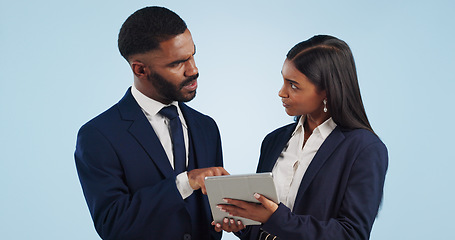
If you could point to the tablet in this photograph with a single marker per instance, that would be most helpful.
(240, 187)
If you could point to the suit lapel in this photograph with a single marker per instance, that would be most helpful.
(324, 152)
(275, 148)
(143, 132)
(196, 136)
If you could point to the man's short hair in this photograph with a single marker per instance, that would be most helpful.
(146, 28)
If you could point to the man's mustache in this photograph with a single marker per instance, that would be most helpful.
(189, 79)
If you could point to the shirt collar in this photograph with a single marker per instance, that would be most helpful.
(324, 129)
(327, 127)
(151, 106)
(299, 126)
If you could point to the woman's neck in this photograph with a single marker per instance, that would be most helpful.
(313, 122)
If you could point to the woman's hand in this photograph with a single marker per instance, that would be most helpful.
(258, 212)
(229, 225)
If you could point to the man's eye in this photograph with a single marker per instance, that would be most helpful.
(176, 64)
(293, 86)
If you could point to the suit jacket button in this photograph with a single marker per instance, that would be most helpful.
(187, 236)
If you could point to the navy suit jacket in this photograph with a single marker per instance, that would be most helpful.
(128, 182)
(340, 193)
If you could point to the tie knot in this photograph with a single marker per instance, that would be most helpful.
(170, 112)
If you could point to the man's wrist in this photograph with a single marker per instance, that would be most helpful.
(183, 185)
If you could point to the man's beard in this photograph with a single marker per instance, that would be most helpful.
(169, 91)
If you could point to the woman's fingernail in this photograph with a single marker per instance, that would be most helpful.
(257, 196)
(225, 200)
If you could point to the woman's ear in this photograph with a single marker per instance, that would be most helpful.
(323, 94)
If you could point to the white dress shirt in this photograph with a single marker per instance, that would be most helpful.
(160, 125)
(295, 159)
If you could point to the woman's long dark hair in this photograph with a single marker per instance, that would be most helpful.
(328, 63)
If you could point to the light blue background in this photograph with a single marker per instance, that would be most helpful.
(59, 67)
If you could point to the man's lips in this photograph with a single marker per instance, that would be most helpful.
(191, 86)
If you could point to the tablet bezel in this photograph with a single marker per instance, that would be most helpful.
(241, 187)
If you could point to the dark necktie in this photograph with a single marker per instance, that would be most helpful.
(178, 144)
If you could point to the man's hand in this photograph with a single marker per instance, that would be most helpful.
(196, 177)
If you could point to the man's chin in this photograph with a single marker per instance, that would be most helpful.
(188, 97)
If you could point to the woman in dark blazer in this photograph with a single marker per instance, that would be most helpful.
(329, 166)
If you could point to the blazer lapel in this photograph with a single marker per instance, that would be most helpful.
(324, 152)
(275, 149)
(143, 132)
(196, 136)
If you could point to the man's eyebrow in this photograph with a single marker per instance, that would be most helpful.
(178, 62)
(182, 60)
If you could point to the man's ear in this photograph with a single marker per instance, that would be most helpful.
(139, 69)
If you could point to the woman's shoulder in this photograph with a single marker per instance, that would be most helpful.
(282, 130)
(361, 137)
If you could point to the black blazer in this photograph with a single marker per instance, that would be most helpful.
(340, 193)
(128, 182)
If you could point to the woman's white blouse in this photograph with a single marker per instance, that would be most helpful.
(294, 160)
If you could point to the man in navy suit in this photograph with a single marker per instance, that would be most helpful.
(140, 180)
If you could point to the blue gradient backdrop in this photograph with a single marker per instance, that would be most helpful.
(59, 67)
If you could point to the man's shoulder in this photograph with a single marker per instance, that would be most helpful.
(108, 116)
(127, 104)
(190, 112)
